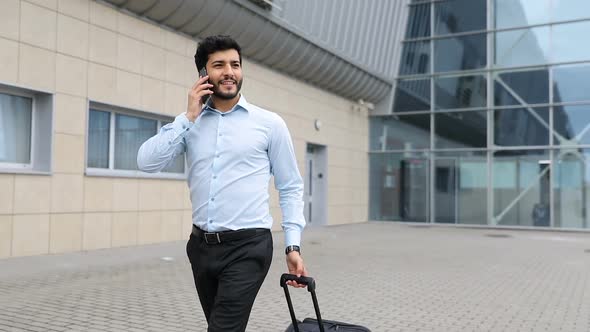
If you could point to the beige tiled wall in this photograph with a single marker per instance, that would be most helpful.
(81, 51)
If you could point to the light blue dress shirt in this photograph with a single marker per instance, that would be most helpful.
(231, 157)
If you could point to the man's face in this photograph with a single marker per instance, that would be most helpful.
(225, 73)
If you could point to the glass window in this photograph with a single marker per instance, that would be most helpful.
(571, 183)
(570, 83)
(15, 129)
(522, 47)
(99, 127)
(419, 22)
(407, 132)
(415, 58)
(461, 187)
(457, 16)
(521, 88)
(565, 10)
(460, 92)
(571, 124)
(460, 53)
(460, 130)
(412, 95)
(521, 187)
(127, 134)
(399, 186)
(570, 42)
(517, 13)
(130, 133)
(521, 127)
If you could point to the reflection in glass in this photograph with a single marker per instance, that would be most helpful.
(418, 22)
(571, 124)
(130, 133)
(412, 95)
(516, 13)
(405, 132)
(521, 88)
(415, 58)
(399, 187)
(99, 127)
(521, 126)
(570, 83)
(15, 129)
(460, 130)
(570, 42)
(521, 187)
(460, 53)
(565, 10)
(570, 188)
(460, 92)
(522, 47)
(461, 187)
(457, 16)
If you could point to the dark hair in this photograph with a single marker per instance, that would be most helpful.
(214, 44)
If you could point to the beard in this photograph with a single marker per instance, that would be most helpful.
(217, 92)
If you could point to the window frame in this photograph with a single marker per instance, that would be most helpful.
(6, 167)
(111, 171)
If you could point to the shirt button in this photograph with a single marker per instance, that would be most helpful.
(210, 221)
(222, 114)
(220, 135)
(215, 176)
(213, 199)
(217, 156)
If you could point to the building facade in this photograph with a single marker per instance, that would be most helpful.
(490, 117)
(84, 83)
(436, 111)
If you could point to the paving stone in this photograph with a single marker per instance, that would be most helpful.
(386, 276)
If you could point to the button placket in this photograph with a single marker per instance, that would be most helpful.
(214, 172)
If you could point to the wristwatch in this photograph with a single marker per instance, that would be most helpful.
(292, 248)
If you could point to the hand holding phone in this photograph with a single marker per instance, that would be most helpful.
(198, 95)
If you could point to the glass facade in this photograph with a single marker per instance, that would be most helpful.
(490, 121)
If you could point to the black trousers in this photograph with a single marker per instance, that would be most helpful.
(228, 276)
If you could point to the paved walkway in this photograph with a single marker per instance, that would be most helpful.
(387, 276)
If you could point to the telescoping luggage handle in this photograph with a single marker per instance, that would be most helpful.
(310, 288)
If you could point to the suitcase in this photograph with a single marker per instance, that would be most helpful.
(310, 324)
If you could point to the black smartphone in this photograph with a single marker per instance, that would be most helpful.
(203, 73)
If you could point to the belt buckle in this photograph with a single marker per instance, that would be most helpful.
(212, 238)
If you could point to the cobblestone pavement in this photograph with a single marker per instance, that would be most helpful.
(386, 276)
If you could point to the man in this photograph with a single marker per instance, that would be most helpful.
(232, 149)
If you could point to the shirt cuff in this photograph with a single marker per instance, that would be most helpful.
(181, 127)
(182, 124)
(292, 238)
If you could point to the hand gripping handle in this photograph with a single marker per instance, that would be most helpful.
(310, 282)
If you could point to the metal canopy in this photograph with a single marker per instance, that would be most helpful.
(264, 39)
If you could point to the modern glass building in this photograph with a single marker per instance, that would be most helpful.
(490, 119)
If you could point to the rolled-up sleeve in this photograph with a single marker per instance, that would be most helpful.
(287, 181)
(160, 150)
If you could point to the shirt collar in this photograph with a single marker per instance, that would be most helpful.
(242, 103)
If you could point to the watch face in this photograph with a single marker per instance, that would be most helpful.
(292, 248)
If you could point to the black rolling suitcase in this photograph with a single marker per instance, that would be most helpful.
(310, 324)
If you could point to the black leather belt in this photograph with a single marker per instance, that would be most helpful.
(227, 236)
